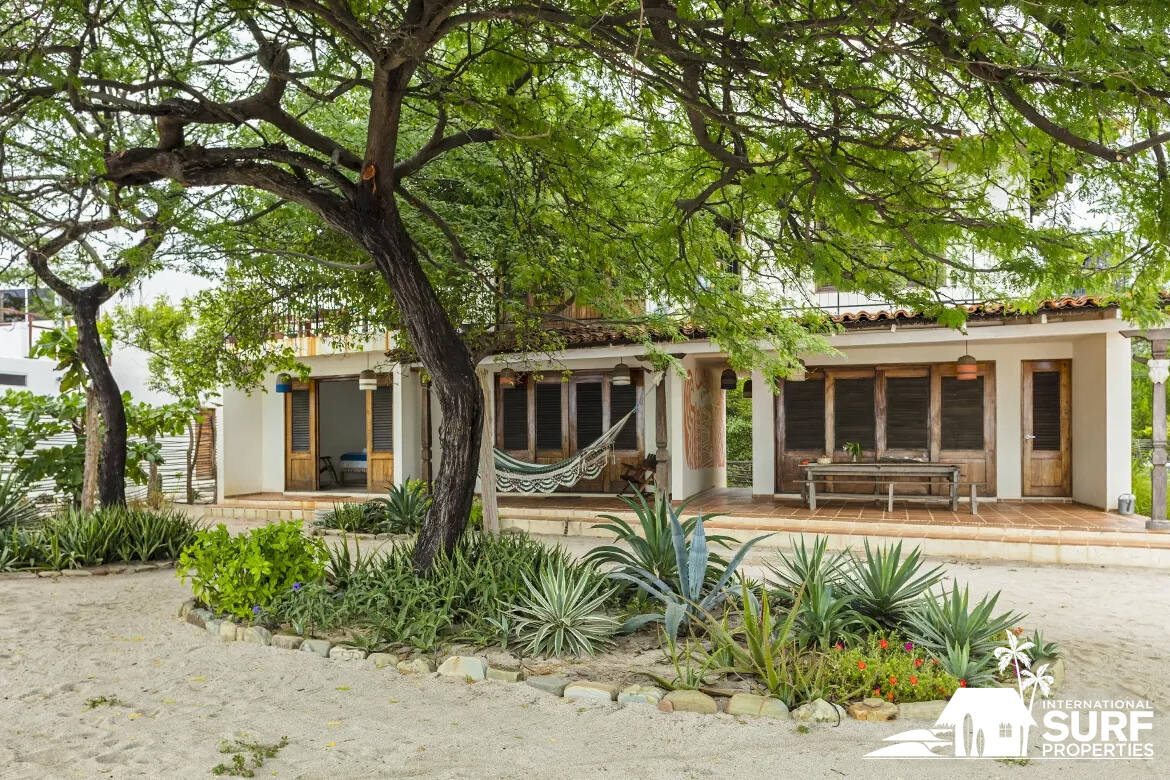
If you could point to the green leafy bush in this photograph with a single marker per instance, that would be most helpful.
(108, 535)
(364, 518)
(561, 612)
(240, 575)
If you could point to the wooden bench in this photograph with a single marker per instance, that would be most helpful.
(889, 475)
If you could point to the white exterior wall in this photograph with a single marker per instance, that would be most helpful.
(244, 443)
(1101, 403)
(1101, 411)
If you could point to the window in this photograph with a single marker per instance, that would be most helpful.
(961, 413)
(300, 420)
(588, 417)
(515, 417)
(907, 412)
(382, 419)
(621, 402)
(17, 380)
(853, 412)
(12, 305)
(804, 415)
(1005, 730)
(1046, 410)
(548, 416)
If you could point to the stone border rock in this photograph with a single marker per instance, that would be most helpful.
(90, 571)
(321, 531)
(476, 669)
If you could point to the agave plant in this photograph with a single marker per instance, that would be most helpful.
(692, 596)
(405, 507)
(826, 616)
(809, 565)
(15, 508)
(950, 621)
(971, 670)
(651, 550)
(561, 612)
(885, 587)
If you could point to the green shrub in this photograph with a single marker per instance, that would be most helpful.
(824, 617)
(108, 535)
(886, 667)
(364, 518)
(560, 614)
(241, 575)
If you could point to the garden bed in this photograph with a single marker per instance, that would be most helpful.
(663, 612)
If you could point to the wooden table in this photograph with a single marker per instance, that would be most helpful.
(889, 474)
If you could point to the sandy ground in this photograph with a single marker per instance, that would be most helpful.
(65, 641)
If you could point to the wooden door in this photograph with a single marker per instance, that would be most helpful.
(1045, 401)
(589, 418)
(962, 426)
(300, 436)
(380, 436)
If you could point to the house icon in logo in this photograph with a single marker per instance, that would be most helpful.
(976, 723)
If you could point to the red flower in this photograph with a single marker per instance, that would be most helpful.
(917, 662)
(962, 683)
(934, 661)
(877, 691)
(884, 644)
(891, 696)
(913, 680)
(861, 665)
(893, 680)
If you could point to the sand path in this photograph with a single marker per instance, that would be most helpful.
(65, 641)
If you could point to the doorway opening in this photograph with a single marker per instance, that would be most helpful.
(738, 435)
(343, 460)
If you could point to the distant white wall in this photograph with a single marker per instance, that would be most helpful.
(38, 375)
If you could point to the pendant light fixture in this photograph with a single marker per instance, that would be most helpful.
(966, 367)
(367, 380)
(621, 375)
(728, 380)
(284, 383)
(508, 379)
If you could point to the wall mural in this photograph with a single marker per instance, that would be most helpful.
(703, 421)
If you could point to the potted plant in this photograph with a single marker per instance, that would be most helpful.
(853, 448)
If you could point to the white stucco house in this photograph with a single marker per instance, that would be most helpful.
(1042, 412)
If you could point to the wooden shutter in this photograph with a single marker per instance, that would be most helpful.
(300, 421)
(548, 417)
(382, 419)
(804, 415)
(515, 417)
(589, 413)
(961, 413)
(907, 412)
(621, 401)
(1046, 411)
(853, 412)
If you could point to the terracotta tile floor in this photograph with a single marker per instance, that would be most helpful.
(739, 503)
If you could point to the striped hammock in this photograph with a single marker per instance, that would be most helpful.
(517, 476)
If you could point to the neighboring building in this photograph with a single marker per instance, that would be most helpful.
(1046, 414)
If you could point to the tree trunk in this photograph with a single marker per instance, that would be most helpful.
(447, 360)
(93, 443)
(112, 469)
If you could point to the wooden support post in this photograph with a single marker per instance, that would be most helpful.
(1158, 519)
(487, 456)
(661, 441)
(425, 437)
(812, 494)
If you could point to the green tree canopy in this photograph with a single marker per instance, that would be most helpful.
(487, 160)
